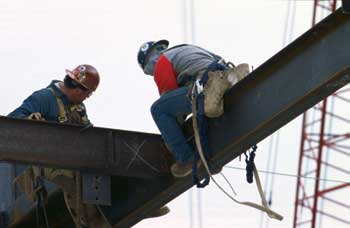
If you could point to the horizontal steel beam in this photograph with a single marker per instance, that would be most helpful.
(97, 150)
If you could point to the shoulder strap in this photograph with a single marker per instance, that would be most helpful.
(62, 115)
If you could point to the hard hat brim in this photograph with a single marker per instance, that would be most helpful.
(159, 42)
(166, 42)
(71, 75)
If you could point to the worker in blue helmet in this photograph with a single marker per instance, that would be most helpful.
(174, 70)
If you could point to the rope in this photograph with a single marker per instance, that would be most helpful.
(44, 211)
(197, 95)
(274, 164)
(262, 217)
(40, 192)
(265, 207)
(65, 195)
(201, 139)
(77, 175)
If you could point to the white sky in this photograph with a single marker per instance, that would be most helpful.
(39, 39)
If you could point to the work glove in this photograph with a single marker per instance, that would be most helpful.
(35, 116)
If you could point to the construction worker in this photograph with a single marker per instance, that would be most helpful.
(46, 104)
(62, 102)
(175, 70)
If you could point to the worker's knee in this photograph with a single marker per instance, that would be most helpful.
(155, 110)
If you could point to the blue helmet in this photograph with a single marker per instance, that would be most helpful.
(147, 47)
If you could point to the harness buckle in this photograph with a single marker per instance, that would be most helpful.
(199, 86)
(62, 119)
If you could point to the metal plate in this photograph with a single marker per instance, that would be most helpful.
(96, 189)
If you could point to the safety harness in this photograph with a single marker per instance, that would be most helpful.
(74, 114)
(198, 109)
(202, 152)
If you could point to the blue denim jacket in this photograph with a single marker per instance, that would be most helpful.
(42, 101)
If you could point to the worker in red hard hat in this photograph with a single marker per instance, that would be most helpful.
(86, 76)
(62, 102)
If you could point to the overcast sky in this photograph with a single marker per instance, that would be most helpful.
(39, 39)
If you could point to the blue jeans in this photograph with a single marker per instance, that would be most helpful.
(166, 111)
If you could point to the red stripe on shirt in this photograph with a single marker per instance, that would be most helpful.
(164, 75)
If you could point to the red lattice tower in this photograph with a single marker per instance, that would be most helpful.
(324, 155)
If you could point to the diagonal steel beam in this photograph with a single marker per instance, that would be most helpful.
(311, 68)
(308, 70)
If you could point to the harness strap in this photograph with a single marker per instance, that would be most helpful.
(263, 207)
(269, 212)
(62, 115)
(250, 164)
(63, 112)
(199, 123)
(65, 196)
(200, 118)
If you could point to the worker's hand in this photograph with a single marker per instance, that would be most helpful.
(35, 116)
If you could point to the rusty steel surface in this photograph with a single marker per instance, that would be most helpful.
(96, 150)
(306, 71)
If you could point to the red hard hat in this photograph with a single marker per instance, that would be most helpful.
(85, 75)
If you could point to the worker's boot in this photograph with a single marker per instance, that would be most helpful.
(181, 170)
(240, 72)
(218, 83)
(159, 212)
